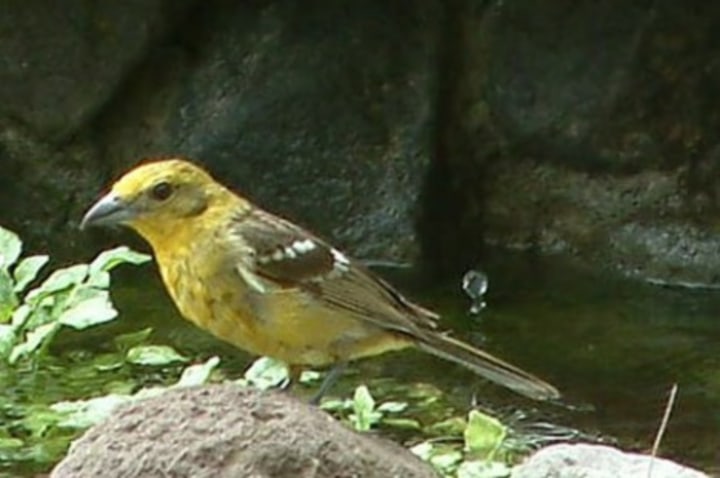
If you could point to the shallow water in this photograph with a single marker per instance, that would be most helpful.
(614, 347)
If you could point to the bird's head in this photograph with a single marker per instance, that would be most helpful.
(154, 197)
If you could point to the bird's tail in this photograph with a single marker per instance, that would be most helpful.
(487, 366)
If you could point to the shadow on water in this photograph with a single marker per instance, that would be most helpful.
(614, 347)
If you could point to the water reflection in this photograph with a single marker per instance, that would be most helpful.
(613, 347)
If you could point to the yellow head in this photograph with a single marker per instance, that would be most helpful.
(156, 197)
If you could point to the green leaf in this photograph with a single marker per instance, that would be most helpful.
(38, 419)
(27, 270)
(108, 361)
(93, 311)
(33, 340)
(20, 316)
(446, 460)
(483, 469)
(423, 450)
(336, 405)
(402, 423)
(154, 355)
(58, 281)
(364, 416)
(453, 426)
(197, 374)
(127, 341)
(107, 260)
(7, 339)
(10, 248)
(266, 373)
(392, 407)
(82, 414)
(484, 434)
(99, 280)
(9, 443)
(8, 300)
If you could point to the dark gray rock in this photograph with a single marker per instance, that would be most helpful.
(598, 461)
(60, 62)
(320, 111)
(229, 431)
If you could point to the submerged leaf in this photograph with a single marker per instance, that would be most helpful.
(154, 355)
(125, 342)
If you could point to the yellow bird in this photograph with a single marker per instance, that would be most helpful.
(270, 287)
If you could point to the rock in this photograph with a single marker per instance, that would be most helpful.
(229, 431)
(319, 111)
(597, 461)
(62, 62)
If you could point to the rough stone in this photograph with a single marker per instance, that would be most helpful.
(598, 461)
(60, 62)
(318, 111)
(229, 431)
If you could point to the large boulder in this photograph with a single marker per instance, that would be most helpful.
(229, 431)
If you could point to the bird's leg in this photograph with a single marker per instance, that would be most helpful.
(329, 381)
(294, 372)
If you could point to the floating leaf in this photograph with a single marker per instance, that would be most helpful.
(402, 423)
(153, 355)
(197, 374)
(107, 362)
(392, 407)
(27, 270)
(127, 341)
(266, 373)
(107, 260)
(484, 434)
(93, 311)
(10, 248)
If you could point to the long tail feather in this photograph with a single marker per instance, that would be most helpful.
(487, 366)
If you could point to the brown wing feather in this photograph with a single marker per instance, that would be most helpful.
(328, 275)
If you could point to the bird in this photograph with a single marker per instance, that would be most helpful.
(271, 287)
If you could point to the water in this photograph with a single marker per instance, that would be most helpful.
(613, 347)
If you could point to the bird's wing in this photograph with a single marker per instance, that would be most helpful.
(286, 256)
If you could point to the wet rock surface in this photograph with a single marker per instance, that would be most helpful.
(228, 431)
(584, 129)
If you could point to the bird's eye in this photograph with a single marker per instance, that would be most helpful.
(161, 191)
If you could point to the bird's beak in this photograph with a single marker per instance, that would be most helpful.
(109, 210)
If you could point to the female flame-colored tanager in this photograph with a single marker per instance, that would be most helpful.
(270, 287)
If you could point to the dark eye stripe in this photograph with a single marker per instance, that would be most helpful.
(161, 191)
